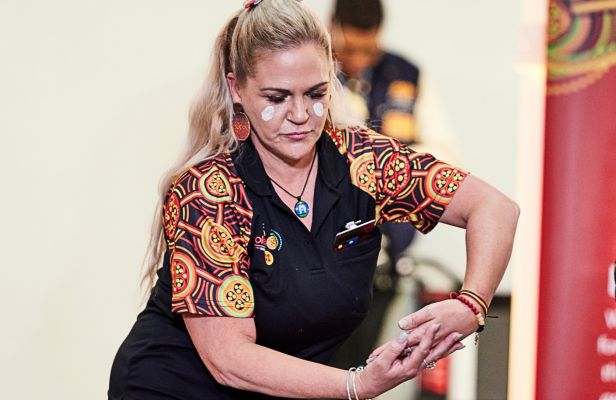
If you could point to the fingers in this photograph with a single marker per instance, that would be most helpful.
(445, 347)
(413, 362)
(415, 319)
(398, 361)
(416, 335)
(392, 350)
(457, 346)
(413, 338)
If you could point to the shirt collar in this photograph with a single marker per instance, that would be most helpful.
(332, 167)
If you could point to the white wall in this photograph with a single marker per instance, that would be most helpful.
(93, 105)
(466, 50)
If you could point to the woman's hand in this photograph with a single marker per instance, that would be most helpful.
(398, 362)
(452, 315)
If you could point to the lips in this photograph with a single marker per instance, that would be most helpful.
(297, 135)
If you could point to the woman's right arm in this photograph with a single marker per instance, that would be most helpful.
(228, 349)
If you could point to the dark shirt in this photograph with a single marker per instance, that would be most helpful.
(390, 91)
(394, 89)
(236, 250)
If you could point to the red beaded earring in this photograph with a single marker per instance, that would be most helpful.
(240, 123)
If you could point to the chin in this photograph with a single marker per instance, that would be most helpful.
(297, 150)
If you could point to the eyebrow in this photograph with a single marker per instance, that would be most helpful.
(285, 91)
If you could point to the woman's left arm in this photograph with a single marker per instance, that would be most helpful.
(490, 219)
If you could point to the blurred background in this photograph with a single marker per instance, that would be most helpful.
(94, 99)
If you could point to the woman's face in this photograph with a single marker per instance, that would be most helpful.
(287, 101)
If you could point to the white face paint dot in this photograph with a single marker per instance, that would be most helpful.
(318, 109)
(267, 113)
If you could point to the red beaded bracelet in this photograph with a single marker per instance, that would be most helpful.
(477, 298)
(480, 320)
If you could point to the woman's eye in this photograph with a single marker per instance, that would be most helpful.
(316, 95)
(275, 99)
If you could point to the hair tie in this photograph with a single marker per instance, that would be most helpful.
(251, 3)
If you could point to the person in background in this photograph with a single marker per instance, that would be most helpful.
(382, 85)
(382, 89)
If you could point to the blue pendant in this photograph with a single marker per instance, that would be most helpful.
(302, 209)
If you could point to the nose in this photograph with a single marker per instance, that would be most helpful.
(298, 114)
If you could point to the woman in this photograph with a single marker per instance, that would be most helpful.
(256, 289)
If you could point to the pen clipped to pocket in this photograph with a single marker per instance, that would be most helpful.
(354, 232)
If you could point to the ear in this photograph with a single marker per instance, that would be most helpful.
(234, 87)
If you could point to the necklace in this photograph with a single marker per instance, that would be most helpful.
(302, 209)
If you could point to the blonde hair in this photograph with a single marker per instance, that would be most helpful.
(273, 25)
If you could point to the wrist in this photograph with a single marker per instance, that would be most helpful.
(478, 297)
(472, 308)
(478, 306)
(362, 389)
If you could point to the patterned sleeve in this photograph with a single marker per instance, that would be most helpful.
(206, 218)
(407, 186)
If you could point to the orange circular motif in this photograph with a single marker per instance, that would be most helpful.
(272, 242)
(235, 296)
(171, 216)
(396, 174)
(442, 182)
(219, 244)
(183, 274)
(215, 186)
(362, 173)
(269, 258)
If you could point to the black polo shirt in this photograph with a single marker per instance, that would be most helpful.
(235, 249)
(309, 296)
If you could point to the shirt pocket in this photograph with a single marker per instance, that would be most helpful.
(355, 266)
(368, 248)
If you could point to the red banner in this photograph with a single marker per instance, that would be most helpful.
(576, 355)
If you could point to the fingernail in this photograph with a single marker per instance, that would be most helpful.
(403, 324)
(370, 359)
(458, 336)
(402, 337)
(462, 347)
